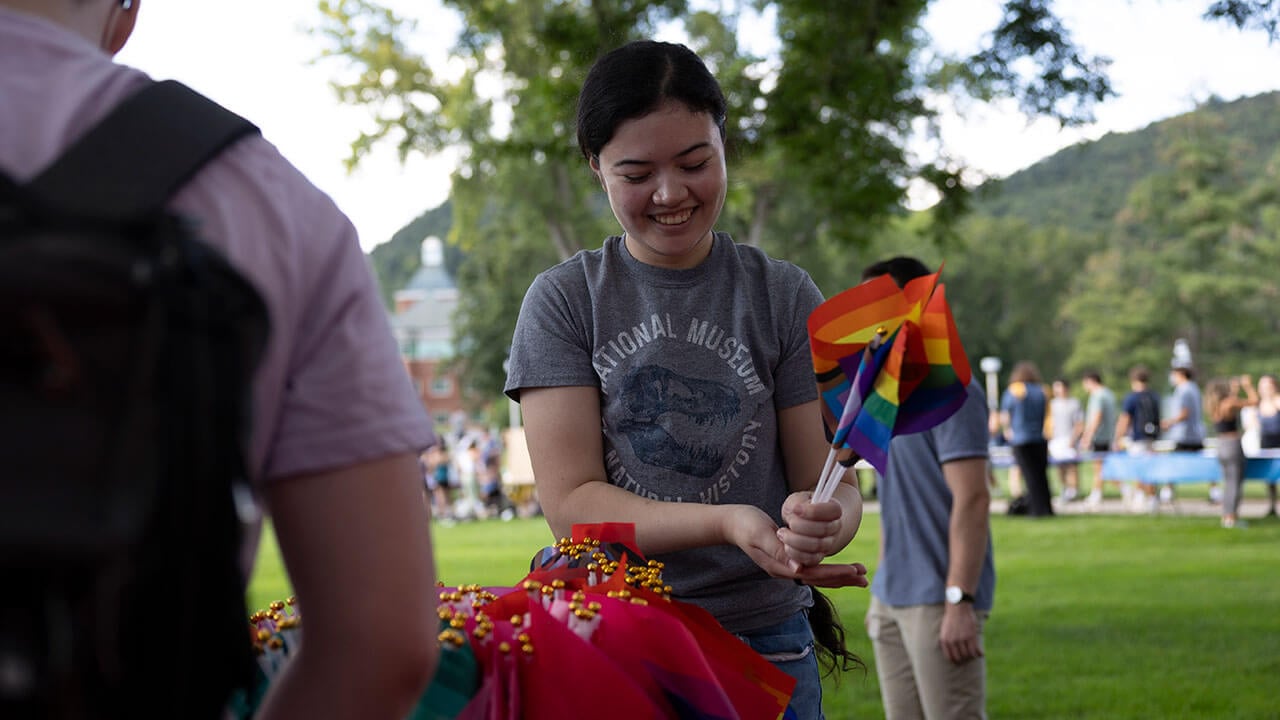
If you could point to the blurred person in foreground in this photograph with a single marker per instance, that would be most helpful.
(935, 584)
(337, 428)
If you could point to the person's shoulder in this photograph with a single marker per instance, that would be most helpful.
(252, 190)
(754, 257)
(578, 267)
(963, 434)
(975, 395)
(972, 411)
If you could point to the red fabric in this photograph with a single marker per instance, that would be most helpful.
(654, 659)
(568, 679)
(609, 533)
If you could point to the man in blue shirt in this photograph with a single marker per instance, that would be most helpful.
(934, 587)
(1185, 425)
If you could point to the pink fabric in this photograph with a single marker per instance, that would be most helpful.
(332, 390)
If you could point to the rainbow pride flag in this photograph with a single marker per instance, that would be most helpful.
(888, 361)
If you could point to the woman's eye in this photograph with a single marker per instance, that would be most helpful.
(636, 178)
(699, 166)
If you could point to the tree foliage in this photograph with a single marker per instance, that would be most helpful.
(1248, 14)
(1187, 259)
(818, 136)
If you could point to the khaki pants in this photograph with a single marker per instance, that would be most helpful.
(916, 679)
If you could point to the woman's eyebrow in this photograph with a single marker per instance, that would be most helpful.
(682, 153)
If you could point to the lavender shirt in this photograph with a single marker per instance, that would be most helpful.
(332, 390)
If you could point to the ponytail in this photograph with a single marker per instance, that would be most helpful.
(829, 637)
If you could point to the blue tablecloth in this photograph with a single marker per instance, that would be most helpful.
(1184, 467)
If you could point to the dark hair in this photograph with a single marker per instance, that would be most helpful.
(1025, 371)
(1139, 373)
(1217, 391)
(902, 269)
(1185, 371)
(634, 80)
(1093, 375)
(828, 637)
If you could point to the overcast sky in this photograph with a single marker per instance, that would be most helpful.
(258, 63)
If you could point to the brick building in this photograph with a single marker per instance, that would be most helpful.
(422, 323)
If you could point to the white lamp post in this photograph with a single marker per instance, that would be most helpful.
(1181, 354)
(991, 365)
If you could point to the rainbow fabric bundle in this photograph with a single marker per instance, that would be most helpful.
(590, 631)
(888, 362)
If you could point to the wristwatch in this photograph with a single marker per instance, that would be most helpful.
(957, 595)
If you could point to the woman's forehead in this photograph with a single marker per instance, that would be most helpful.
(668, 132)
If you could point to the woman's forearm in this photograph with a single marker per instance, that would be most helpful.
(661, 526)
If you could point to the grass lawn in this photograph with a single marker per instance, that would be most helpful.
(1096, 616)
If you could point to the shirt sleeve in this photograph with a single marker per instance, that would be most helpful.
(550, 326)
(794, 382)
(964, 434)
(347, 397)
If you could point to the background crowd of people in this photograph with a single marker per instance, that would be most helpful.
(1051, 426)
(463, 476)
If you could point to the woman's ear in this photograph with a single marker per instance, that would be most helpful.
(595, 170)
(120, 26)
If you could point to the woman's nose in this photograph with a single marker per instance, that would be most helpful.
(670, 190)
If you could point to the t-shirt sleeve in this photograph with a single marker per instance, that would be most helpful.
(794, 383)
(964, 434)
(346, 396)
(332, 390)
(549, 347)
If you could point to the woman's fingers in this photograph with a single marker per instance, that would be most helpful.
(834, 575)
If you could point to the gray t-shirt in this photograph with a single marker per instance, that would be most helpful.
(915, 510)
(1186, 396)
(1103, 402)
(693, 366)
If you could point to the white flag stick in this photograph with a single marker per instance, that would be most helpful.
(830, 481)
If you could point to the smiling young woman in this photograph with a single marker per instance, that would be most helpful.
(665, 379)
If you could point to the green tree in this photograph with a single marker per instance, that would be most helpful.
(817, 138)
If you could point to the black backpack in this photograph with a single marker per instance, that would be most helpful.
(127, 350)
(1146, 416)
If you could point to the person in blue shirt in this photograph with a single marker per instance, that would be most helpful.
(934, 588)
(1022, 410)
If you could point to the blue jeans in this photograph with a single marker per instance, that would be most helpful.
(789, 646)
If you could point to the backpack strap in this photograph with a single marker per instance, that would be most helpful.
(140, 154)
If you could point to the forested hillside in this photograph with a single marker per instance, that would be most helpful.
(1082, 187)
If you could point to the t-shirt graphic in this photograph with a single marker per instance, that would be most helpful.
(683, 408)
(665, 414)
